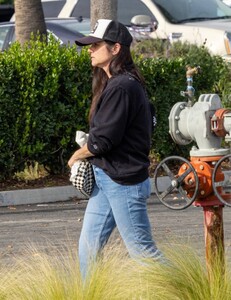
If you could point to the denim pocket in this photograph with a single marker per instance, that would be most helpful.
(141, 190)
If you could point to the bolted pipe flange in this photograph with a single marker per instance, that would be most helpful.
(174, 119)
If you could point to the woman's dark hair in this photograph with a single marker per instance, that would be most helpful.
(120, 64)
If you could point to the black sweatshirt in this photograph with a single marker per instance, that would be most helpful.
(120, 131)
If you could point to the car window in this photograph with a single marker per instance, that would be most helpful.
(184, 10)
(13, 37)
(4, 31)
(126, 10)
(84, 28)
(52, 9)
(74, 25)
(82, 8)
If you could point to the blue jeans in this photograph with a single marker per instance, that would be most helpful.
(110, 205)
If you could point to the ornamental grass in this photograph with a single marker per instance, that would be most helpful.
(55, 275)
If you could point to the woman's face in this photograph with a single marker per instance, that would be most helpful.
(101, 54)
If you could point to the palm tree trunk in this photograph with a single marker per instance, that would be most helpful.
(29, 18)
(103, 9)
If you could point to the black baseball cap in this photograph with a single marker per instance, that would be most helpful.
(107, 30)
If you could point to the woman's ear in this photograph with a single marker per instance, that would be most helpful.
(116, 48)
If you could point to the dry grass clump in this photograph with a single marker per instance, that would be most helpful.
(54, 276)
(32, 171)
(185, 277)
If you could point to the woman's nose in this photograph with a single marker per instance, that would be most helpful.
(90, 49)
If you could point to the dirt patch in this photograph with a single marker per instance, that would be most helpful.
(51, 180)
(48, 181)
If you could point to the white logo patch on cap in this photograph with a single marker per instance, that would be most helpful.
(100, 28)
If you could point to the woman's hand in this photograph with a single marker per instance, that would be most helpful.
(79, 155)
(71, 161)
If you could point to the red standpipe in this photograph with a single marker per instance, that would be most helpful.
(213, 212)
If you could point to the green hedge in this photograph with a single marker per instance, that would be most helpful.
(45, 96)
(166, 78)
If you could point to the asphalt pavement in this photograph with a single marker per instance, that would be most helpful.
(57, 225)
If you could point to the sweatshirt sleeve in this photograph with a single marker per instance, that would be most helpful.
(109, 122)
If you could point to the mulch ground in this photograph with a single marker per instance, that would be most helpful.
(48, 181)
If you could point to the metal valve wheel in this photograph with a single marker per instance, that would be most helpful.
(221, 180)
(176, 183)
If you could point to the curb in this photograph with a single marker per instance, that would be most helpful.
(54, 194)
(41, 195)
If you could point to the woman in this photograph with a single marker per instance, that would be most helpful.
(118, 148)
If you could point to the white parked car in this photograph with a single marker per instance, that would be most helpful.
(202, 22)
(227, 2)
(63, 30)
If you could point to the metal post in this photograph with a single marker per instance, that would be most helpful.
(214, 239)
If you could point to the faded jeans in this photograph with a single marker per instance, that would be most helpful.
(110, 205)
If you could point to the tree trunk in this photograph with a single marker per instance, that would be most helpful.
(29, 18)
(103, 9)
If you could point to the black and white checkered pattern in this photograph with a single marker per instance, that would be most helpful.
(84, 179)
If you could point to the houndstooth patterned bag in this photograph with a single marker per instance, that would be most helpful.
(82, 177)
